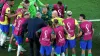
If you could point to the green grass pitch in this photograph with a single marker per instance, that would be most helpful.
(89, 7)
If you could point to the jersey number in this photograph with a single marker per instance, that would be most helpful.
(60, 34)
(59, 11)
(46, 32)
(68, 24)
(87, 27)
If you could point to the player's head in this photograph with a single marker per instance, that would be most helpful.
(55, 21)
(44, 10)
(82, 17)
(49, 23)
(26, 15)
(10, 2)
(69, 13)
(54, 14)
(59, 3)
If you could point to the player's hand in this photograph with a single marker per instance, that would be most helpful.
(37, 34)
(78, 37)
(69, 36)
(19, 13)
(26, 40)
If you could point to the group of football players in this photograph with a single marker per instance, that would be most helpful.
(56, 37)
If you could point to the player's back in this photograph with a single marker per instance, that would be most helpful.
(86, 28)
(59, 9)
(45, 36)
(70, 26)
(60, 37)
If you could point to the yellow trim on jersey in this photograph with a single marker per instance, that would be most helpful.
(5, 22)
(19, 16)
(7, 10)
(60, 20)
(71, 38)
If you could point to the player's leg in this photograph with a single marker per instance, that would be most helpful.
(83, 47)
(58, 50)
(83, 53)
(10, 43)
(66, 48)
(0, 34)
(89, 47)
(63, 51)
(73, 52)
(48, 50)
(5, 31)
(72, 44)
(42, 49)
(89, 52)
(3, 39)
(11, 39)
(20, 41)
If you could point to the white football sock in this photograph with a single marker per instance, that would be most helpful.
(3, 38)
(9, 49)
(63, 54)
(0, 36)
(52, 53)
(19, 50)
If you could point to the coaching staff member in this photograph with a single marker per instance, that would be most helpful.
(32, 26)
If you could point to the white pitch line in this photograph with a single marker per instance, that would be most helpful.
(94, 20)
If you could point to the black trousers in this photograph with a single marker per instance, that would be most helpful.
(32, 49)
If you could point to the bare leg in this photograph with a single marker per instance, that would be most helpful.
(73, 52)
(10, 43)
(66, 53)
(11, 39)
(89, 52)
(83, 53)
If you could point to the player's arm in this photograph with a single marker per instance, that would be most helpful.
(65, 29)
(79, 34)
(37, 32)
(15, 23)
(36, 6)
(9, 14)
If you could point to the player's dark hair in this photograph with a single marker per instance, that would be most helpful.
(26, 1)
(59, 2)
(49, 23)
(55, 21)
(82, 15)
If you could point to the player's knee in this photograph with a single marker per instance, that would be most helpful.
(73, 50)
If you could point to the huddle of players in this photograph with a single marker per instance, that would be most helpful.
(60, 33)
(61, 37)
